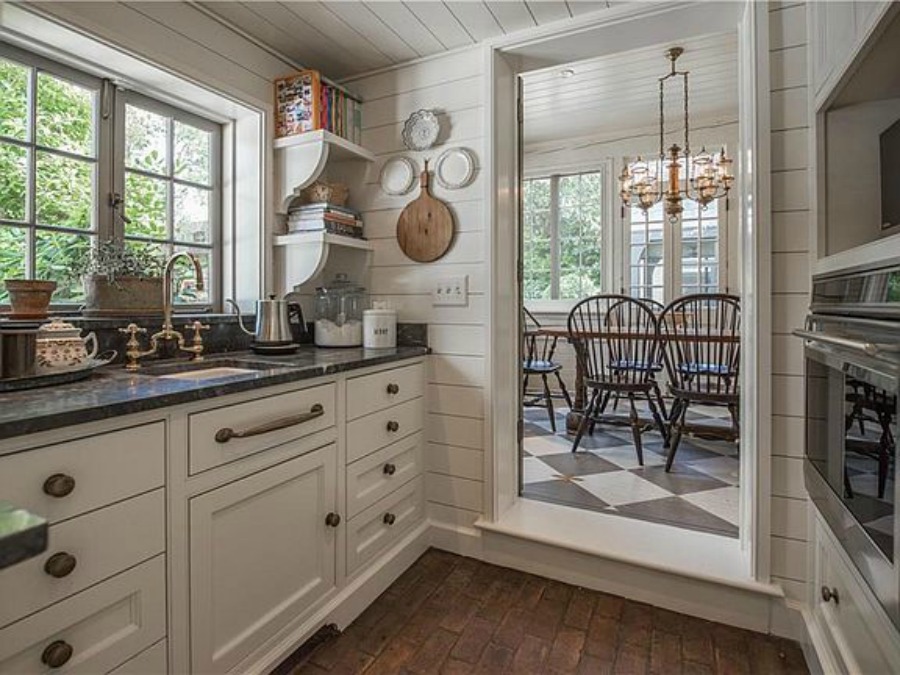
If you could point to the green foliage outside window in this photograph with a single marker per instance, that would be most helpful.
(66, 190)
(562, 245)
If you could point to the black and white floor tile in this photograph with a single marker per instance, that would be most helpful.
(700, 493)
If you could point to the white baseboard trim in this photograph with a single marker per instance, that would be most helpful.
(343, 607)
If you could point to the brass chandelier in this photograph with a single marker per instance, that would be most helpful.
(700, 178)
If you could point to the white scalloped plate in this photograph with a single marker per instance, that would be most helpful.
(397, 176)
(455, 168)
(421, 130)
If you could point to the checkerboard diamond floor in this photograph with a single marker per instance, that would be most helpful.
(700, 493)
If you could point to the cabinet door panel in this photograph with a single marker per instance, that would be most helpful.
(261, 555)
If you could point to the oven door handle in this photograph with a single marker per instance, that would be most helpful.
(869, 348)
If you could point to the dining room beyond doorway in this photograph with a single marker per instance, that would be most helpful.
(631, 305)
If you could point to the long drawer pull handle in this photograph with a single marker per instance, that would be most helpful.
(390, 469)
(60, 565)
(59, 485)
(333, 520)
(393, 389)
(389, 519)
(57, 654)
(226, 434)
(829, 594)
(393, 426)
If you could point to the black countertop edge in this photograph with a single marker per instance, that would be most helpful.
(23, 535)
(113, 392)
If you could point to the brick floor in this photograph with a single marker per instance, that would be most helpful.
(449, 614)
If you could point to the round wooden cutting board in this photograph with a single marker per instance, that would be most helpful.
(425, 227)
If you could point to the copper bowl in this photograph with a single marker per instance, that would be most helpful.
(29, 298)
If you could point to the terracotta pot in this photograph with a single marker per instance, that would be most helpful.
(125, 296)
(29, 298)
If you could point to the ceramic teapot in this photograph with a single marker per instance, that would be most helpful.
(61, 347)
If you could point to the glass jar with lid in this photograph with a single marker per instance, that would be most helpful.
(339, 313)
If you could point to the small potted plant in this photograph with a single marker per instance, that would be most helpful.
(121, 279)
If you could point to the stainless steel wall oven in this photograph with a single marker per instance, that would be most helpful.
(852, 353)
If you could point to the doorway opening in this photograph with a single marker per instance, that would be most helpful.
(630, 316)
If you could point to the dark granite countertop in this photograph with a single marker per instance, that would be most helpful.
(112, 391)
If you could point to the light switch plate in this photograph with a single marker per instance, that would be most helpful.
(451, 292)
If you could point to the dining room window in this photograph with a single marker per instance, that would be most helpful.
(667, 259)
(563, 236)
(69, 142)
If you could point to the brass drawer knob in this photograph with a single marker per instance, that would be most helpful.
(829, 594)
(59, 485)
(393, 426)
(332, 520)
(393, 389)
(60, 565)
(57, 654)
(390, 469)
(389, 518)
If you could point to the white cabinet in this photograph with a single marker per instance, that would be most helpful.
(261, 555)
(837, 32)
(856, 634)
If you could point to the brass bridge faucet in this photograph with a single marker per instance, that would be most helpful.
(168, 333)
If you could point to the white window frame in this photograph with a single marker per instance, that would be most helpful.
(108, 161)
(100, 225)
(672, 241)
(607, 237)
(123, 98)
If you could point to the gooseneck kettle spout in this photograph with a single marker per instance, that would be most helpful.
(240, 319)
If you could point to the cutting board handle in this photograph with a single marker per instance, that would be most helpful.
(423, 178)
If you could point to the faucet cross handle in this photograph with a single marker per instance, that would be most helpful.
(196, 347)
(133, 347)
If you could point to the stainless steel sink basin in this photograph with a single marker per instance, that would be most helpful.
(213, 369)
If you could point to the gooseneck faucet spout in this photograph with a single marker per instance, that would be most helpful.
(167, 284)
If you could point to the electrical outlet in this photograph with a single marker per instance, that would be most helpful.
(451, 292)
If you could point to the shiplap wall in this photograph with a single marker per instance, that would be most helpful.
(454, 86)
(790, 288)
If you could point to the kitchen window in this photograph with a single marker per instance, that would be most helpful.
(68, 142)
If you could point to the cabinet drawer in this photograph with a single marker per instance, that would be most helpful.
(853, 621)
(382, 524)
(101, 543)
(369, 393)
(273, 420)
(104, 469)
(151, 661)
(105, 625)
(378, 474)
(369, 433)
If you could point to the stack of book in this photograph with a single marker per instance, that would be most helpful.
(326, 217)
(303, 102)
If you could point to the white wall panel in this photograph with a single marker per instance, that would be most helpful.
(456, 400)
(454, 461)
(453, 491)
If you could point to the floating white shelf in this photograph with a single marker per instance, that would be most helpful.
(303, 255)
(300, 159)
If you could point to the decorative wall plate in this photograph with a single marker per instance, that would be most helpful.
(398, 175)
(421, 130)
(455, 168)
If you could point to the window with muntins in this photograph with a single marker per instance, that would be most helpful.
(562, 236)
(68, 142)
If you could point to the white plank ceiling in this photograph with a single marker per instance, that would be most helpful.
(346, 38)
(620, 92)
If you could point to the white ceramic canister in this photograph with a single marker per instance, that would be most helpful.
(379, 327)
